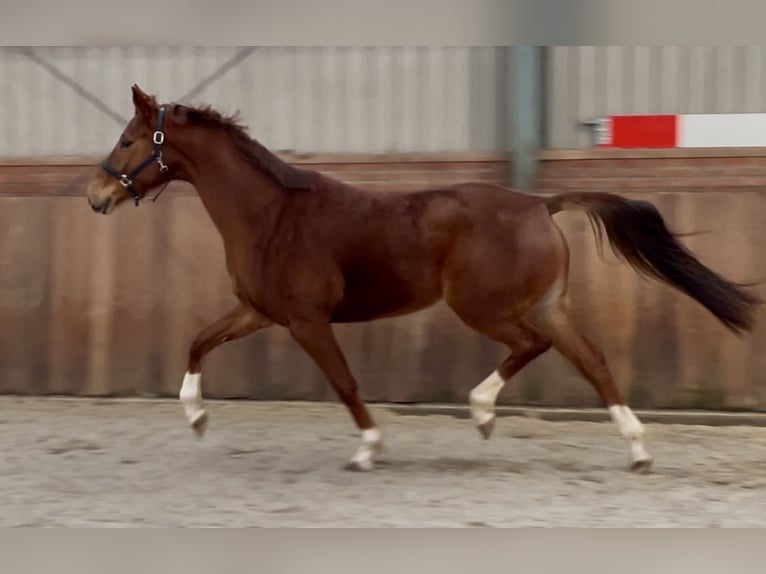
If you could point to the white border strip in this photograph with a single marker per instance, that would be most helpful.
(721, 130)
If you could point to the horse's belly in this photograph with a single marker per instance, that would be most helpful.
(374, 299)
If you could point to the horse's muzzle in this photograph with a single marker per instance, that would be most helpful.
(101, 207)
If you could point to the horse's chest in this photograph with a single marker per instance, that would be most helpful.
(275, 286)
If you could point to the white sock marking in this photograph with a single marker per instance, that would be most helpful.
(191, 397)
(370, 445)
(632, 429)
(483, 396)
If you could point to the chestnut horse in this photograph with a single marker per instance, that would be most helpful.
(304, 251)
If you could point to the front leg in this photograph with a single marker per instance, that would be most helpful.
(318, 340)
(237, 323)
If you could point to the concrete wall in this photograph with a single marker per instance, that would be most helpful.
(74, 101)
(370, 100)
(589, 81)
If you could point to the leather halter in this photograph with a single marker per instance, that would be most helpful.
(126, 180)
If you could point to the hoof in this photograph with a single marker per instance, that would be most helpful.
(199, 425)
(359, 466)
(485, 429)
(641, 466)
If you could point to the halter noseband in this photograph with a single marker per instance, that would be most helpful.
(126, 180)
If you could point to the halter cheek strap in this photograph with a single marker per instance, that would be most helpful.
(126, 180)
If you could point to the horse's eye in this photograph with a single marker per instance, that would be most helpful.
(125, 143)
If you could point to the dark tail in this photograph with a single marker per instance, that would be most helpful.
(636, 230)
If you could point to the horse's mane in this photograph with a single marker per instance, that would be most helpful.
(253, 151)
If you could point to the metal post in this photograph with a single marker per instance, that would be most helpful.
(527, 114)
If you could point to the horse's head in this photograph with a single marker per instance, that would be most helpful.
(139, 161)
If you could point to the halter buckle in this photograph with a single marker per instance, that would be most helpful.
(125, 181)
(158, 138)
(158, 159)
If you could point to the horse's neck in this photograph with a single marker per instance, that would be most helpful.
(240, 199)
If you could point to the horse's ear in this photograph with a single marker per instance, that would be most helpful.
(143, 102)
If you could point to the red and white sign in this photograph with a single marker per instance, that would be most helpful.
(681, 131)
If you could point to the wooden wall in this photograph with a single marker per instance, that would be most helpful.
(108, 305)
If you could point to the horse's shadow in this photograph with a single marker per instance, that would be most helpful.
(470, 466)
(452, 465)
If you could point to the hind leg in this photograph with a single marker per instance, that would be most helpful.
(526, 345)
(591, 363)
